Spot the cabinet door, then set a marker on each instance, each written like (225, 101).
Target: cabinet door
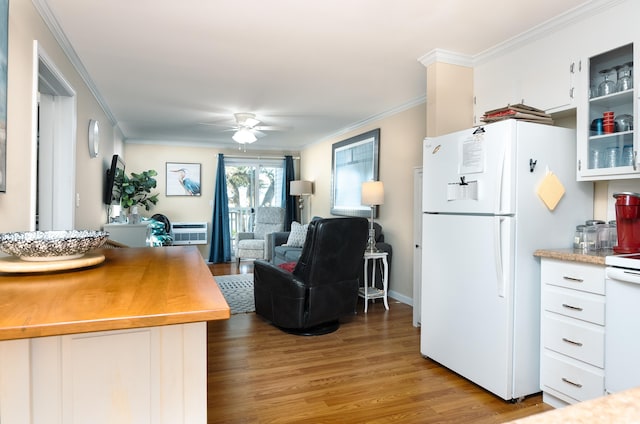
(539, 74)
(607, 153)
(146, 375)
(574, 338)
(573, 275)
(549, 85)
(496, 84)
(571, 380)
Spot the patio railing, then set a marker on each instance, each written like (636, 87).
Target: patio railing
(240, 221)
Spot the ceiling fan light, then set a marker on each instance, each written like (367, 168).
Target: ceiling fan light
(244, 136)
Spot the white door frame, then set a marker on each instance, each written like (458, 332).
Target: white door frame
(417, 243)
(55, 144)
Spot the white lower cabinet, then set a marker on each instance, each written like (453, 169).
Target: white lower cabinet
(572, 331)
(145, 375)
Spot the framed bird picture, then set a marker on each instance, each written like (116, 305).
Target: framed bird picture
(183, 179)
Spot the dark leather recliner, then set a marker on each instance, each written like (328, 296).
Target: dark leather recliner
(324, 284)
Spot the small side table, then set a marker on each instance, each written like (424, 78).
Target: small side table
(372, 292)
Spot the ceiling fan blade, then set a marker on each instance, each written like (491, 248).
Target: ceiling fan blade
(250, 123)
(246, 120)
(271, 128)
(218, 124)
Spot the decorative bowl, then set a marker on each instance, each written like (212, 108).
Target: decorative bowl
(51, 245)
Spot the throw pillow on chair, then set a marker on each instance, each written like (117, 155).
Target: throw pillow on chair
(297, 235)
(288, 266)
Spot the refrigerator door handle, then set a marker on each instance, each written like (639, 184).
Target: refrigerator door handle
(500, 182)
(497, 243)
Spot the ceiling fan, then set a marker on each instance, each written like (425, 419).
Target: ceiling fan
(247, 128)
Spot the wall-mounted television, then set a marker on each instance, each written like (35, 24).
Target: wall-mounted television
(113, 186)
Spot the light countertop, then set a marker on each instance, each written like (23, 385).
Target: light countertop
(574, 255)
(133, 287)
(619, 408)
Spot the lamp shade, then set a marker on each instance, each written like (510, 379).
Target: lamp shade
(372, 193)
(299, 187)
(244, 136)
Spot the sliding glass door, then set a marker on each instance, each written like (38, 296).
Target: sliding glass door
(251, 183)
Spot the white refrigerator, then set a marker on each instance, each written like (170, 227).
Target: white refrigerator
(483, 219)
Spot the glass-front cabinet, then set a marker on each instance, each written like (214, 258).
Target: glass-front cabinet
(607, 145)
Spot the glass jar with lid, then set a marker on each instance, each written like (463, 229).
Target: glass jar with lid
(578, 239)
(590, 238)
(613, 233)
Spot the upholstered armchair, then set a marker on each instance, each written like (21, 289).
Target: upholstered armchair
(324, 283)
(253, 245)
(281, 253)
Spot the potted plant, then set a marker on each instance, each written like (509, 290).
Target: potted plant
(136, 191)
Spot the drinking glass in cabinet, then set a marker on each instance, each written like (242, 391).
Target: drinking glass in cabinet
(612, 157)
(595, 159)
(625, 78)
(624, 122)
(627, 155)
(607, 86)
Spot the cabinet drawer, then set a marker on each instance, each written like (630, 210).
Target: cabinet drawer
(574, 338)
(572, 379)
(576, 304)
(573, 275)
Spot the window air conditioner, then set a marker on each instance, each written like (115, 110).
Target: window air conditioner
(189, 232)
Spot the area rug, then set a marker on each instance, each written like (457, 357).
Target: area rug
(238, 292)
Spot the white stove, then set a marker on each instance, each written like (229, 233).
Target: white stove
(622, 321)
(626, 260)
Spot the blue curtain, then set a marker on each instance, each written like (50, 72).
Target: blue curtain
(288, 201)
(220, 233)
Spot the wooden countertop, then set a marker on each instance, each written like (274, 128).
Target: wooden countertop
(619, 408)
(134, 287)
(574, 255)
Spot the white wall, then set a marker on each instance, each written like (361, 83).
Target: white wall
(401, 138)
(25, 26)
(400, 150)
(142, 157)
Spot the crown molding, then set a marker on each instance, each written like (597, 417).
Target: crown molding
(578, 13)
(359, 124)
(56, 30)
(558, 22)
(446, 56)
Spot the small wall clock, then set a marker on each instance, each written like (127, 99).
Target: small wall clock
(94, 138)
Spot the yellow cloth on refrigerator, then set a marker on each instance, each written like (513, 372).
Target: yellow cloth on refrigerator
(550, 190)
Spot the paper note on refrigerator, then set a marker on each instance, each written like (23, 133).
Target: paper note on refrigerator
(472, 151)
(550, 190)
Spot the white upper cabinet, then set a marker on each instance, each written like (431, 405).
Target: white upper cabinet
(607, 143)
(492, 87)
(559, 67)
(548, 85)
(539, 74)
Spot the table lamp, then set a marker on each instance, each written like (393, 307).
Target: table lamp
(300, 188)
(373, 195)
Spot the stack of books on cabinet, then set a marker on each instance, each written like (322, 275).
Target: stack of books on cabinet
(519, 111)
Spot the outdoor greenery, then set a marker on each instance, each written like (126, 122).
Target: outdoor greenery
(136, 190)
(241, 177)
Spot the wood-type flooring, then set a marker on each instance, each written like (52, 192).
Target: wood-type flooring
(369, 371)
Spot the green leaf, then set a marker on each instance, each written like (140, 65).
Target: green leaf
(136, 190)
